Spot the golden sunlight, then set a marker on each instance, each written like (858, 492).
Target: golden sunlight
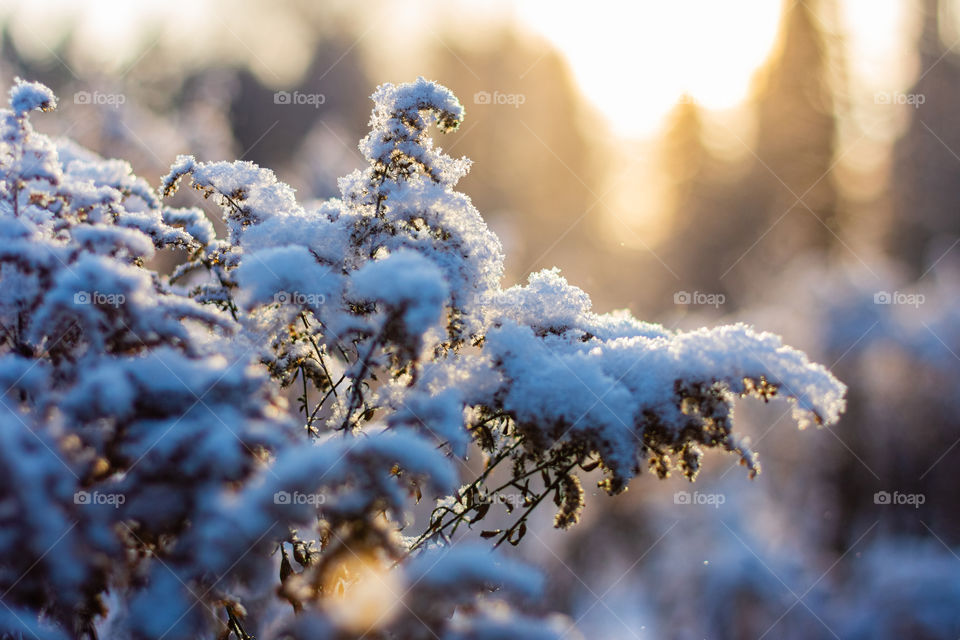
(649, 54)
(363, 594)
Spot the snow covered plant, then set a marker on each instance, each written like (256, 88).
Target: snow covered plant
(155, 483)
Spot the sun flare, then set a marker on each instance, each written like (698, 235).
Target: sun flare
(649, 54)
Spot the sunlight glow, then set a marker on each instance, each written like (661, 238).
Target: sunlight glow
(636, 62)
(876, 41)
(363, 594)
(633, 59)
(643, 56)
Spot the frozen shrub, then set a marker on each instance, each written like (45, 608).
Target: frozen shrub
(157, 484)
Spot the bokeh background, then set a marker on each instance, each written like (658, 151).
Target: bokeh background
(795, 165)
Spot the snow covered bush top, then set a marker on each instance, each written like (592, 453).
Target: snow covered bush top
(146, 431)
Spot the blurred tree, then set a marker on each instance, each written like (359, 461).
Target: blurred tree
(540, 197)
(731, 231)
(926, 168)
(336, 73)
(702, 204)
(796, 137)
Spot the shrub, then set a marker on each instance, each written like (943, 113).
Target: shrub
(155, 482)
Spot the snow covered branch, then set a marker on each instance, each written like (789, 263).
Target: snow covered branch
(156, 482)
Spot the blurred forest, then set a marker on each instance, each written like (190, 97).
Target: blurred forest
(801, 220)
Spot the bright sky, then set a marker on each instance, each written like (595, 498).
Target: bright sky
(640, 57)
(635, 59)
